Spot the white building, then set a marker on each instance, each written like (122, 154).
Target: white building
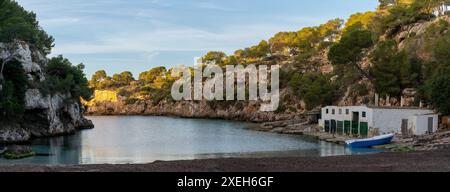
(366, 121)
(442, 9)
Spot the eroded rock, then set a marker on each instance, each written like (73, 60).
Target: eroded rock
(45, 115)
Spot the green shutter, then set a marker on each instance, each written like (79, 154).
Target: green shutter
(364, 129)
(340, 127)
(355, 128)
(327, 126)
(347, 129)
(333, 126)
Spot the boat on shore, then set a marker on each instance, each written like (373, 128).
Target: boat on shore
(370, 142)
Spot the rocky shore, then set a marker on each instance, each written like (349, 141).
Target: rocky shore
(428, 142)
(110, 102)
(419, 161)
(45, 115)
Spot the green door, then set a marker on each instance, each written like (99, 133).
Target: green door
(327, 126)
(333, 126)
(347, 127)
(364, 129)
(355, 128)
(340, 127)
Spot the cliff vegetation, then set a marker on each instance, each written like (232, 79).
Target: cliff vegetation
(400, 51)
(38, 96)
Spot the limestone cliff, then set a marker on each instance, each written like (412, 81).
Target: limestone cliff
(49, 115)
(109, 102)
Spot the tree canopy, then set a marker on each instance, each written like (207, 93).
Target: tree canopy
(123, 78)
(437, 91)
(257, 51)
(349, 50)
(394, 70)
(18, 24)
(62, 76)
(215, 57)
(152, 75)
(314, 88)
(364, 19)
(307, 38)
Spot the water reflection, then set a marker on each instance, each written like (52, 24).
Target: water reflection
(57, 150)
(329, 149)
(118, 140)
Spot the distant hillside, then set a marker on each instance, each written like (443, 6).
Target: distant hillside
(401, 50)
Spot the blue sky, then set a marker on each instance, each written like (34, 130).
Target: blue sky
(136, 35)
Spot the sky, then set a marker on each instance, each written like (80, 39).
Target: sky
(137, 35)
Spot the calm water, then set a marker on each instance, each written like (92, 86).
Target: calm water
(117, 140)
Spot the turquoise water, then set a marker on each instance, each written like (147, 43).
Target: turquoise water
(138, 139)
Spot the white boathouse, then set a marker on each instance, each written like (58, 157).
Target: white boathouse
(367, 121)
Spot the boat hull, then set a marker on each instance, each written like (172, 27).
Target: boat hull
(367, 143)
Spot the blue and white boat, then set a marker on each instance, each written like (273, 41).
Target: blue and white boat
(370, 142)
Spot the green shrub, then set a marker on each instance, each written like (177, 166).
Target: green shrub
(12, 97)
(349, 50)
(405, 14)
(131, 100)
(280, 109)
(437, 90)
(15, 156)
(62, 76)
(123, 79)
(394, 71)
(361, 90)
(216, 57)
(314, 88)
(306, 39)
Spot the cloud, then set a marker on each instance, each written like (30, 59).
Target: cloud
(113, 26)
(212, 6)
(150, 56)
(173, 39)
(58, 22)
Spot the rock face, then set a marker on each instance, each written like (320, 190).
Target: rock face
(50, 115)
(109, 103)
